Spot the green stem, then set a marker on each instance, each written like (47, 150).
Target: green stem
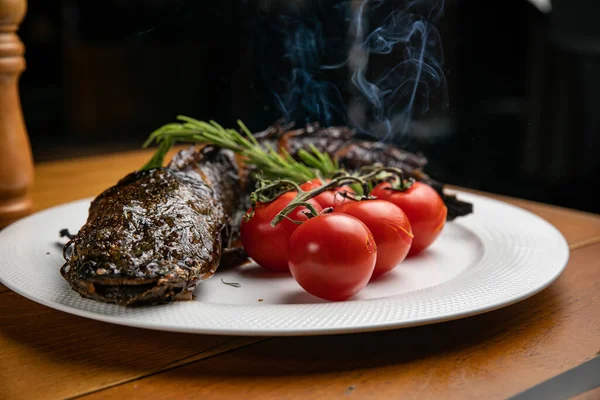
(157, 159)
(302, 197)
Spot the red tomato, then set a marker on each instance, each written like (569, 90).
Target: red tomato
(332, 256)
(329, 198)
(390, 228)
(424, 208)
(268, 245)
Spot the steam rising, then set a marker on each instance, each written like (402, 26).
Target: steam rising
(308, 92)
(383, 97)
(403, 90)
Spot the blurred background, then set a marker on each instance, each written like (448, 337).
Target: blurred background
(521, 115)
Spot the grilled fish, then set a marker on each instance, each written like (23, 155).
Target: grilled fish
(156, 234)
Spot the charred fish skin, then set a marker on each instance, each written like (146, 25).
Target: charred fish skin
(218, 168)
(153, 236)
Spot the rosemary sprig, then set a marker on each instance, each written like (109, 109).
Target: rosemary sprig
(158, 158)
(271, 163)
(319, 160)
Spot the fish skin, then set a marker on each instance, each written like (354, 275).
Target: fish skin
(156, 234)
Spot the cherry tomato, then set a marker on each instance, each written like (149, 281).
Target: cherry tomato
(267, 245)
(332, 256)
(390, 228)
(329, 198)
(424, 208)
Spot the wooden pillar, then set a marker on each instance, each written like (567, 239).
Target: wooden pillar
(16, 161)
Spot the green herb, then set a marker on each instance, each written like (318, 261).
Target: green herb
(268, 161)
(158, 158)
(318, 160)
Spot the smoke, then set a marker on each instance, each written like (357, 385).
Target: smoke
(390, 55)
(398, 94)
(308, 93)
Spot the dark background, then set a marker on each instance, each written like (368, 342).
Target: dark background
(523, 115)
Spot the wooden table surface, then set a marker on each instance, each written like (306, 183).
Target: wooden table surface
(47, 354)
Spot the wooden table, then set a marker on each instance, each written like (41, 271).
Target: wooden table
(50, 354)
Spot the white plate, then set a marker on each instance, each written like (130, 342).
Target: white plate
(494, 257)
